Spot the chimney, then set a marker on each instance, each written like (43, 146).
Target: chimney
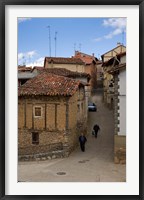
(76, 52)
(118, 44)
(93, 54)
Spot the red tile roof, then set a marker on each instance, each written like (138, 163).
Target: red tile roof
(50, 85)
(64, 72)
(61, 60)
(38, 68)
(24, 68)
(87, 59)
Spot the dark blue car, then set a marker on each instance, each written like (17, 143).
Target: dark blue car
(92, 107)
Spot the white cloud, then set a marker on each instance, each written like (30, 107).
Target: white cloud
(30, 54)
(111, 34)
(23, 19)
(108, 36)
(38, 62)
(26, 57)
(117, 24)
(20, 56)
(98, 39)
(117, 31)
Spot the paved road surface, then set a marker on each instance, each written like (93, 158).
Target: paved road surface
(93, 165)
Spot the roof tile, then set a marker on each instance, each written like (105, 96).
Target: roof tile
(61, 60)
(49, 84)
(64, 72)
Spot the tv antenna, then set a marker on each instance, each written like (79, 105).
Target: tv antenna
(74, 47)
(49, 40)
(80, 46)
(24, 61)
(123, 37)
(55, 42)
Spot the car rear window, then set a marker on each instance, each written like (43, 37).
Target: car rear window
(91, 104)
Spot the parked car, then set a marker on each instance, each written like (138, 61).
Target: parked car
(92, 107)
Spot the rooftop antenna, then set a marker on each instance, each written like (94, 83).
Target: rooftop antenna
(74, 47)
(24, 61)
(55, 42)
(29, 59)
(80, 47)
(123, 37)
(49, 41)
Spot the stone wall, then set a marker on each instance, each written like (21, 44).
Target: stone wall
(56, 128)
(116, 104)
(72, 67)
(120, 149)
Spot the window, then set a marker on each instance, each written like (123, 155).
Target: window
(37, 111)
(78, 107)
(35, 138)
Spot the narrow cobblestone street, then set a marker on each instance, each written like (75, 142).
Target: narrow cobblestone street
(94, 165)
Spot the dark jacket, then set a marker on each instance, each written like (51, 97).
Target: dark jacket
(82, 139)
(96, 128)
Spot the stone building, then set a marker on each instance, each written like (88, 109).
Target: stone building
(83, 77)
(49, 109)
(109, 60)
(118, 71)
(24, 74)
(99, 74)
(113, 52)
(108, 81)
(93, 66)
(73, 64)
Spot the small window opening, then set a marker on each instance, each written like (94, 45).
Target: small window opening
(35, 138)
(38, 112)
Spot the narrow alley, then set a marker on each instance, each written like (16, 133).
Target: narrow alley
(94, 165)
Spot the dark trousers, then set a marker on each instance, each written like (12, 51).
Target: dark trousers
(96, 133)
(82, 145)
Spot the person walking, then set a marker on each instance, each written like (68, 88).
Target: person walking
(96, 128)
(82, 141)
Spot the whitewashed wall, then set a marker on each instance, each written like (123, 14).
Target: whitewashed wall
(122, 82)
(123, 59)
(122, 103)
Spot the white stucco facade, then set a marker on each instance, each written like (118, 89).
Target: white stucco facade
(122, 103)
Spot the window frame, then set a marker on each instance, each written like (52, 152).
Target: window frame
(34, 112)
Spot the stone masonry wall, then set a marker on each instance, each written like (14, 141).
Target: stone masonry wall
(119, 141)
(57, 127)
(72, 67)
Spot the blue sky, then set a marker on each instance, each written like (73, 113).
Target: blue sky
(88, 35)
